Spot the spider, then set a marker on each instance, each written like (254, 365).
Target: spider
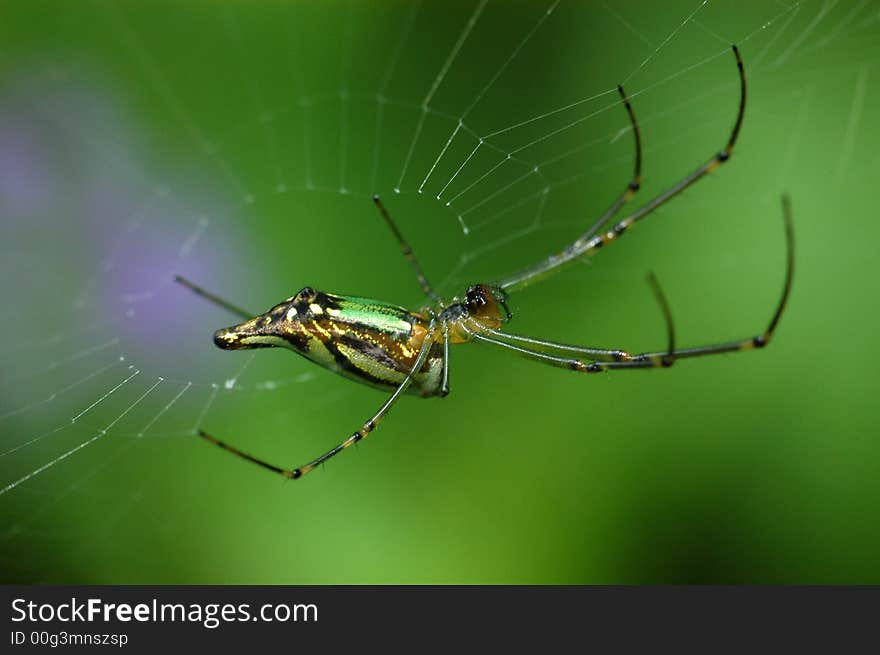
(398, 350)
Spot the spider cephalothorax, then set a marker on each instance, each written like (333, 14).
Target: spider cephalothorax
(483, 307)
(487, 304)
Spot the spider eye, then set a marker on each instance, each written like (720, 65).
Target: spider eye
(307, 294)
(475, 297)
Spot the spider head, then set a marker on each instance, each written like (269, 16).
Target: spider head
(487, 304)
(281, 326)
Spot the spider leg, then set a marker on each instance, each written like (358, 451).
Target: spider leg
(547, 352)
(546, 347)
(444, 384)
(749, 343)
(590, 243)
(207, 295)
(563, 351)
(572, 363)
(633, 185)
(407, 252)
(554, 354)
(364, 430)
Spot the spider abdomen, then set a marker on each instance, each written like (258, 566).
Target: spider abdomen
(365, 340)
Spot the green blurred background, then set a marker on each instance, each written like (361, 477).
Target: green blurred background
(238, 143)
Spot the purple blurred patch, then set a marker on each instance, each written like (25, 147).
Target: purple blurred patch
(93, 229)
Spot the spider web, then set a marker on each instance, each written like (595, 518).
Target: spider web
(492, 128)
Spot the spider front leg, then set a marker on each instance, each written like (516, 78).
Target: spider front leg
(634, 184)
(590, 243)
(365, 429)
(600, 360)
(749, 343)
(559, 355)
